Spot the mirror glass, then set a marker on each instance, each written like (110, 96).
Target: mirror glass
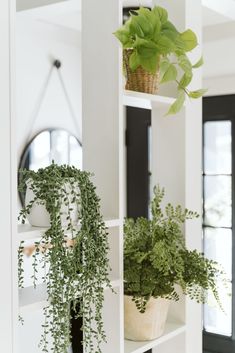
(50, 145)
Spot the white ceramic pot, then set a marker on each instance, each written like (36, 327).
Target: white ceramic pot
(39, 217)
(148, 325)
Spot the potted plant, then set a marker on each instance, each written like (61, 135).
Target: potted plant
(156, 261)
(155, 51)
(75, 257)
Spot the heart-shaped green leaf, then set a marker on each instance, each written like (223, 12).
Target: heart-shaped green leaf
(134, 61)
(185, 80)
(178, 104)
(161, 13)
(190, 40)
(150, 64)
(199, 63)
(185, 64)
(165, 45)
(197, 94)
(145, 48)
(170, 74)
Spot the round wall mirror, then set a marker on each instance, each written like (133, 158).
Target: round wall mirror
(50, 145)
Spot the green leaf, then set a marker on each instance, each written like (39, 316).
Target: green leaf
(145, 48)
(161, 13)
(150, 64)
(199, 63)
(170, 74)
(143, 21)
(148, 15)
(135, 28)
(178, 104)
(134, 61)
(169, 31)
(164, 64)
(185, 64)
(165, 45)
(190, 40)
(168, 26)
(123, 35)
(157, 27)
(197, 94)
(186, 79)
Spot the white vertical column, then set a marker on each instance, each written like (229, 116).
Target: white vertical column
(177, 150)
(8, 258)
(100, 99)
(103, 135)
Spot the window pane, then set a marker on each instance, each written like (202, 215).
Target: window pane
(217, 150)
(218, 201)
(218, 247)
(215, 320)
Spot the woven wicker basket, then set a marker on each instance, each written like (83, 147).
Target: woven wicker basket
(139, 80)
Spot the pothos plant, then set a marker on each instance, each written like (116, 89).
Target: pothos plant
(157, 44)
(76, 273)
(156, 258)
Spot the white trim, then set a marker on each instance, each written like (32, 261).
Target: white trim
(219, 85)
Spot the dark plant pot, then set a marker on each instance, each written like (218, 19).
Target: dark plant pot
(139, 80)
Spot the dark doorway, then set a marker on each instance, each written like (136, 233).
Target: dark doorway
(138, 123)
(137, 143)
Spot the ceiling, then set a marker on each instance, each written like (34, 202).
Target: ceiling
(30, 4)
(63, 11)
(211, 17)
(65, 14)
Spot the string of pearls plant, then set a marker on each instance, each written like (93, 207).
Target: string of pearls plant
(75, 274)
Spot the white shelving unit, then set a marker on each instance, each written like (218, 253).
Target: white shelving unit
(31, 299)
(145, 100)
(176, 165)
(27, 232)
(172, 330)
(176, 161)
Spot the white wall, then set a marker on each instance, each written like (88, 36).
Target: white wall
(219, 58)
(37, 45)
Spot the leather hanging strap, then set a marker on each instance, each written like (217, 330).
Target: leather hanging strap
(56, 65)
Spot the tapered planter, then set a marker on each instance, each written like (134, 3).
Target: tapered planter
(148, 325)
(39, 217)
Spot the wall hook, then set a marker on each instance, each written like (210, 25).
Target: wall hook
(57, 63)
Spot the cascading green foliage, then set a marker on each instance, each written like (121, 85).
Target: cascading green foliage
(156, 258)
(156, 42)
(75, 274)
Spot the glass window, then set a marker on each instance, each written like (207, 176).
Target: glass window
(217, 222)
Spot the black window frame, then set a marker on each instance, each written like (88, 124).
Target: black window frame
(138, 121)
(221, 108)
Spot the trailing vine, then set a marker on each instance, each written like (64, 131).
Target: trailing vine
(76, 271)
(156, 258)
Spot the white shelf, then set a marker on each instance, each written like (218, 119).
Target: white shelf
(31, 298)
(27, 232)
(145, 100)
(171, 330)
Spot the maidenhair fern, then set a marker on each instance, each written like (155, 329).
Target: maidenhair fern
(156, 258)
